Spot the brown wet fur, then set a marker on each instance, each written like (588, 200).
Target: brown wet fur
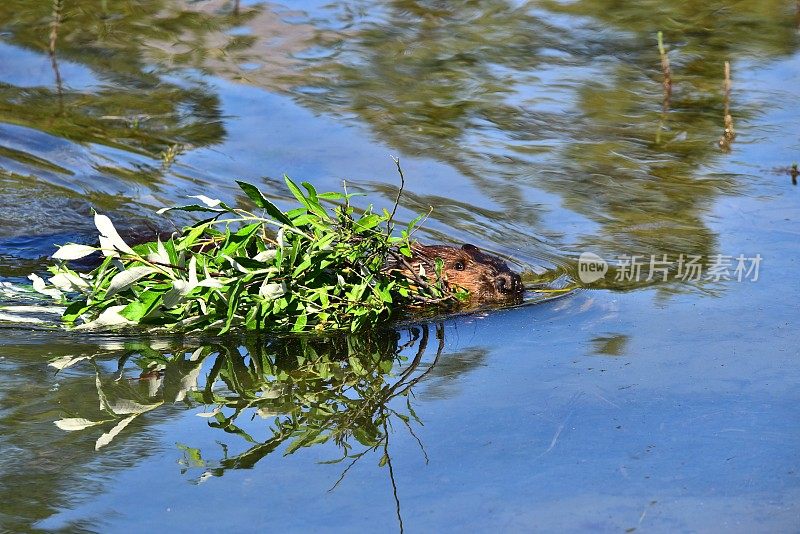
(486, 277)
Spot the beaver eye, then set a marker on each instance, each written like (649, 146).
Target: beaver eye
(458, 266)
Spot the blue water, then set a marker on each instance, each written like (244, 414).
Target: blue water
(536, 133)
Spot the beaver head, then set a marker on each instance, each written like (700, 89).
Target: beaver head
(486, 277)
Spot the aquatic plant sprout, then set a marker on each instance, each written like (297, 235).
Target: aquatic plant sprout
(312, 268)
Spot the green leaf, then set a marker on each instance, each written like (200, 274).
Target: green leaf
(75, 310)
(301, 198)
(368, 222)
(305, 264)
(385, 294)
(300, 323)
(136, 310)
(272, 210)
(172, 252)
(312, 192)
(414, 222)
(311, 204)
(251, 320)
(313, 201)
(190, 238)
(238, 242)
(233, 305)
(331, 196)
(439, 267)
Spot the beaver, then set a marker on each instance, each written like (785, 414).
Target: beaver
(486, 277)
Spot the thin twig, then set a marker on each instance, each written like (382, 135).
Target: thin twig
(418, 278)
(421, 222)
(389, 226)
(410, 268)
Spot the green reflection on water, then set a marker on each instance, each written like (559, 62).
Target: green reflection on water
(131, 105)
(273, 394)
(459, 83)
(551, 114)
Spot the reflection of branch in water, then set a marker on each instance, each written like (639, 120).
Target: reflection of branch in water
(356, 458)
(728, 133)
(439, 349)
(54, 25)
(419, 441)
(667, 84)
(666, 71)
(388, 460)
(353, 417)
(423, 344)
(371, 407)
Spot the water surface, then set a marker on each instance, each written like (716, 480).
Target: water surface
(539, 130)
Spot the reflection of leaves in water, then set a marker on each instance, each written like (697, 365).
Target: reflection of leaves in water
(317, 390)
(443, 81)
(130, 105)
(313, 390)
(105, 90)
(515, 97)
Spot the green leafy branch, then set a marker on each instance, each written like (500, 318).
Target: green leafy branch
(310, 268)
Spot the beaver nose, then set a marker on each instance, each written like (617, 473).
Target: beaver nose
(505, 283)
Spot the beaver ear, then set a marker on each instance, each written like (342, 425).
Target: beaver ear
(470, 248)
